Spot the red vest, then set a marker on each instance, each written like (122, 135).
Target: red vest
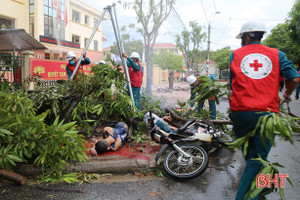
(255, 79)
(136, 77)
(72, 68)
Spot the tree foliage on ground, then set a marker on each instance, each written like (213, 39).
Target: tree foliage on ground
(95, 93)
(33, 129)
(25, 137)
(130, 44)
(285, 36)
(189, 43)
(150, 14)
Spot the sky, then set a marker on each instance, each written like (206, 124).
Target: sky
(224, 26)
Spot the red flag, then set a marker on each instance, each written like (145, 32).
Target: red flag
(58, 14)
(54, 4)
(66, 17)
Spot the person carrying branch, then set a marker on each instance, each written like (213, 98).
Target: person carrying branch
(136, 72)
(254, 81)
(193, 82)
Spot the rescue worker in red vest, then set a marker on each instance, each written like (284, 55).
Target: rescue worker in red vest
(136, 72)
(193, 82)
(254, 82)
(71, 58)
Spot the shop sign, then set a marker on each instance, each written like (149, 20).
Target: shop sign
(52, 69)
(51, 40)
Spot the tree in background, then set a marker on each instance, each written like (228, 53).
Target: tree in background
(151, 14)
(221, 57)
(169, 61)
(280, 39)
(285, 37)
(130, 44)
(189, 44)
(294, 32)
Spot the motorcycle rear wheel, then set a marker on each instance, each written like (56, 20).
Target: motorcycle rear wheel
(181, 168)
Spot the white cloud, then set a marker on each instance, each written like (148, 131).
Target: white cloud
(224, 26)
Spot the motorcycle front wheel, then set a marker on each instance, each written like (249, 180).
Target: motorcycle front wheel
(180, 167)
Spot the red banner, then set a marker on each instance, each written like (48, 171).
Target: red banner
(52, 69)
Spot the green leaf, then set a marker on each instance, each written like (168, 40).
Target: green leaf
(14, 158)
(5, 131)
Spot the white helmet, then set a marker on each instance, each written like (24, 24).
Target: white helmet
(102, 62)
(252, 26)
(70, 55)
(135, 55)
(191, 79)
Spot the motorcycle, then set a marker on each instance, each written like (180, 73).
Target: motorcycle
(185, 153)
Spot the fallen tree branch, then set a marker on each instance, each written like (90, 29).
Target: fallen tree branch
(176, 117)
(13, 176)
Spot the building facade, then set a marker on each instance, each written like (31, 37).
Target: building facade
(60, 25)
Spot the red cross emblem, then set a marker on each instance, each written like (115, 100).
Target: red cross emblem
(256, 65)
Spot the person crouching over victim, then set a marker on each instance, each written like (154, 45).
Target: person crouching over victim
(113, 139)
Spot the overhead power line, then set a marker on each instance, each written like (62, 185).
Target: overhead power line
(204, 12)
(176, 15)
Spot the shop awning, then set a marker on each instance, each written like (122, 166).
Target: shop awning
(18, 39)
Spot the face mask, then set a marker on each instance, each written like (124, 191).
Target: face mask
(72, 62)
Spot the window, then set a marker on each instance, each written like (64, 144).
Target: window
(95, 22)
(76, 39)
(76, 16)
(31, 18)
(86, 20)
(54, 19)
(31, 25)
(86, 41)
(96, 45)
(6, 23)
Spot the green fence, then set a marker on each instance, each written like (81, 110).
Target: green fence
(11, 67)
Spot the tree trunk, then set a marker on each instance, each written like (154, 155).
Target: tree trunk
(171, 80)
(149, 69)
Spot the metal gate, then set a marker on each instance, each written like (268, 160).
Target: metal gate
(11, 69)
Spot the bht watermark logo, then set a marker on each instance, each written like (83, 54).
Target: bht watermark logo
(263, 180)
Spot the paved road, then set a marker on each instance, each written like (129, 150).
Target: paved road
(218, 182)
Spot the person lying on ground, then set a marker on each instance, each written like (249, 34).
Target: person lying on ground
(160, 122)
(113, 139)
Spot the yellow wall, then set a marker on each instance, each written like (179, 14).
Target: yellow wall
(17, 10)
(81, 29)
(160, 76)
(38, 19)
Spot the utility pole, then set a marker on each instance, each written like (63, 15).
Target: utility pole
(208, 41)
